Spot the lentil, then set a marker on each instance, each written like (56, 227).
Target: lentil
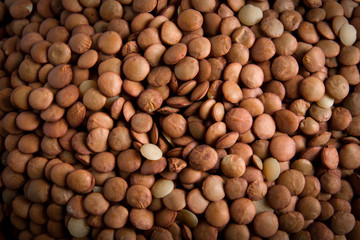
(179, 119)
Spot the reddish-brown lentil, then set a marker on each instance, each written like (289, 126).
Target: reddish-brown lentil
(216, 87)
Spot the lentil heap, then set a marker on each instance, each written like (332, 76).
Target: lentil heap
(180, 119)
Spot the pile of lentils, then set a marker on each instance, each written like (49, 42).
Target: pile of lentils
(180, 119)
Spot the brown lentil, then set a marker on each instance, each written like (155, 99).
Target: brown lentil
(171, 117)
(266, 224)
(242, 211)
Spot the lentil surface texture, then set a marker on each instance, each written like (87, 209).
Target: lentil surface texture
(179, 119)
